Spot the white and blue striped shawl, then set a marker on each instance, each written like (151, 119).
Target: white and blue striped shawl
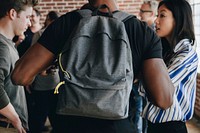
(183, 72)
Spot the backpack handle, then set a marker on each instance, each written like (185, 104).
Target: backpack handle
(103, 6)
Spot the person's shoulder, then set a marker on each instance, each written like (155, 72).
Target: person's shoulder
(135, 23)
(4, 49)
(70, 14)
(3, 42)
(69, 17)
(141, 28)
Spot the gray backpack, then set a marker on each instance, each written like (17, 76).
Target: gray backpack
(97, 68)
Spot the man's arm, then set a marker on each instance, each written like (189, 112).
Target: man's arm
(10, 113)
(156, 77)
(35, 60)
(159, 86)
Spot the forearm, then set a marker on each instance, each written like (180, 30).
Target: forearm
(36, 59)
(12, 117)
(4, 99)
(159, 87)
(10, 113)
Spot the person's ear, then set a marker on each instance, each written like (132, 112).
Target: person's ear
(12, 14)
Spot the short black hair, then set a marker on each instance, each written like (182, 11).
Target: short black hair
(52, 15)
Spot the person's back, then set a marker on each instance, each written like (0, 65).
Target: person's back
(149, 54)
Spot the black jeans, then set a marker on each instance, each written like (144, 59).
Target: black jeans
(44, 104)
(167, 127)
(76, 124)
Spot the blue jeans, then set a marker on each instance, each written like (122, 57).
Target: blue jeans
(136, 106)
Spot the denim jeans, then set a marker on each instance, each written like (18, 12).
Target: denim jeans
(136, 106)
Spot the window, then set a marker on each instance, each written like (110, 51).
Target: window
(195, 4)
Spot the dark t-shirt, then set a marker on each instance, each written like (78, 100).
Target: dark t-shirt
(23, 46)
(143, 40)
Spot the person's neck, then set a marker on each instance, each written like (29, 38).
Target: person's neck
(6, 30)
(110, 3)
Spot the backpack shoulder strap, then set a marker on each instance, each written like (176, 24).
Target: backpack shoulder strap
(85, 13)
(122, 16)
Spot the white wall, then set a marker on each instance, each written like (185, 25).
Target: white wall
(196, 16)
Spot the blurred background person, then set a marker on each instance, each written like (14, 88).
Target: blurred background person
(22, 48)
(148, 12)
(43, 87)
(174, 25)
(35, 27)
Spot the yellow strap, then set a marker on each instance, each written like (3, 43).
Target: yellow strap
(60, 64)
(58, 86)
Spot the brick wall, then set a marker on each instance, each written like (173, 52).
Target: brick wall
(63, 6)
(131, 6)
(197, 103)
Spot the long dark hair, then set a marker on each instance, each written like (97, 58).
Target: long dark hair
(184, 27)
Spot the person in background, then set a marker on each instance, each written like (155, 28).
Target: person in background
(174, 25)
(23, 41)
(147, 59)
(51, 16)
(148, 12)
(43, 87)
(35, 27)
(14, 20)
(18, 39)
(22, 48)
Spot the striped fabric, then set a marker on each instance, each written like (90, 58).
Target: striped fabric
(183, 72)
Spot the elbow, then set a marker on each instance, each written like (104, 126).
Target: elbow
(164, 102)
(166, 99)
(19, 80)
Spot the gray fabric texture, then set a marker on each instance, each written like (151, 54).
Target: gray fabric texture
(98, 59)
(47, 82)
(9, 91)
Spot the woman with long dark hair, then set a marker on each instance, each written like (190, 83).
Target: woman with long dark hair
(174, 25)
